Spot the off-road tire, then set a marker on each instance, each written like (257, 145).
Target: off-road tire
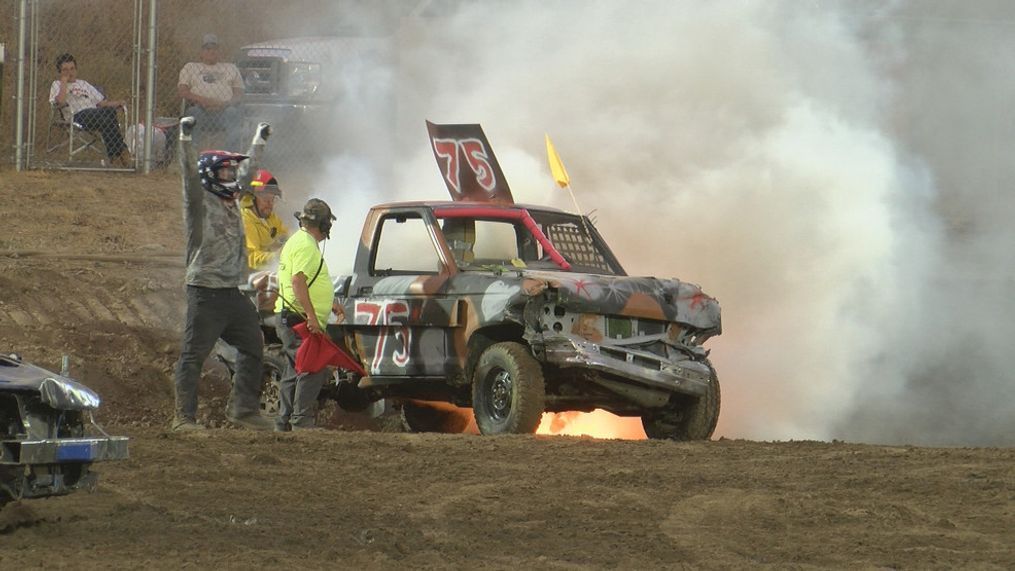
(422, 418)
(275, 362)
(686, 418)
(508, 394)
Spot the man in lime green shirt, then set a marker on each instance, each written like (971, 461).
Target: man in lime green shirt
(305, 293)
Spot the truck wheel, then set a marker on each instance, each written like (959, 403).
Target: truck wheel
(275, 363)
(507, 390)
(423, 418)
(686, 418)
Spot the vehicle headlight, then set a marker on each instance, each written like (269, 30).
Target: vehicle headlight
(304, 78)
(65, 394)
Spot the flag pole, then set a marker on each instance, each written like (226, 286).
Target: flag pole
(574, 200)
(562, 179)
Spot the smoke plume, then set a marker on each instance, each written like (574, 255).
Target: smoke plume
(832, 172)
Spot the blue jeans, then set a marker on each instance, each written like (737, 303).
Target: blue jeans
(229, 120)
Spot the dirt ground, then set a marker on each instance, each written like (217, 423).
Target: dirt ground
(90, 267)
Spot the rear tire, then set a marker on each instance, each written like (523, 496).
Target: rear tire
(508, 394)
(686, 418)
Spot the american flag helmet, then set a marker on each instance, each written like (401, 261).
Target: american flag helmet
(218, 171)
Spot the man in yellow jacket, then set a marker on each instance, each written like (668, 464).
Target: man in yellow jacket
(265, 231)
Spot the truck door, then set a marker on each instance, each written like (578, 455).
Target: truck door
(400, 310)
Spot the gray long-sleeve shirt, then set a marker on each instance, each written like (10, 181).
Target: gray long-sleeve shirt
(216, 248)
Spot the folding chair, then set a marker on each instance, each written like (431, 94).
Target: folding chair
(65, 132)
(79, 139)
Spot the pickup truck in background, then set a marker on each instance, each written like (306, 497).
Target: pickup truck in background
(316, 92)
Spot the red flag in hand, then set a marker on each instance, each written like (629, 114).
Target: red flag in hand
(318, 351)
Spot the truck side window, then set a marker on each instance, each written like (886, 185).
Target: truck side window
(404, 247)
(495, 242)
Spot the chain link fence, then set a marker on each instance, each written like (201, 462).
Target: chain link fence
(323, 73)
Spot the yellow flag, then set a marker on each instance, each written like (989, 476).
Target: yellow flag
(556, 167)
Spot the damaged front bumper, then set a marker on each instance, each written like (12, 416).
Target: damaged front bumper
(40, 468)
(62, 450)
(685, 376)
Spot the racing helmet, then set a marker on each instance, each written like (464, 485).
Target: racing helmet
(264, 183)
(218, 172)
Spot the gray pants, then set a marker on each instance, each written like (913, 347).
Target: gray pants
(213, 313)
(297, 399)
(228, 120)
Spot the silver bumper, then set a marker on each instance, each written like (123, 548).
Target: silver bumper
(63, 450)
(687, 376)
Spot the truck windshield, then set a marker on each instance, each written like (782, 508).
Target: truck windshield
(485, 239)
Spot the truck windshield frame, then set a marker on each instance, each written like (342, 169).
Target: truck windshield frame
(580, 248)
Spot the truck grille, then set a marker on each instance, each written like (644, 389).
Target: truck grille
(617, 327)
(260, 76)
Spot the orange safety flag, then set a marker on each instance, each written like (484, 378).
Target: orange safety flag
(556, 166)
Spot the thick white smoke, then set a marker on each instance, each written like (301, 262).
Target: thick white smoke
(768, 151)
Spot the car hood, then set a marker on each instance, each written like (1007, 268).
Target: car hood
(647, 297)
(55, 390)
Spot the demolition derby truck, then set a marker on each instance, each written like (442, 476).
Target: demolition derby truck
(47, 434)
(515, 310)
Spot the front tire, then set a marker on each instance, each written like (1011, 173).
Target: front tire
(686, 418)
(275, 362)
(508, 394)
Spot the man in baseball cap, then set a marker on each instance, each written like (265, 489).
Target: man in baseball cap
(305, 295)
(211, 88)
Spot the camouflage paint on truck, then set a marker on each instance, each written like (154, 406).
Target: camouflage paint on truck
(605, 340)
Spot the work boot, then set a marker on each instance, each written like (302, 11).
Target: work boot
(252, 421)
(183, 424)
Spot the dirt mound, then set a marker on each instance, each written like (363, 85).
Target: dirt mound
(91, 268)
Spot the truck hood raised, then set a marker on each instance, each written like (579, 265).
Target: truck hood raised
(55, 390)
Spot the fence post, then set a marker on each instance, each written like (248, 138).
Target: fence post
(149, 132)
(2, 46)
(19, 118)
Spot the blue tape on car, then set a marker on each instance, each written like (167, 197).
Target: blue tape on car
(78, 451)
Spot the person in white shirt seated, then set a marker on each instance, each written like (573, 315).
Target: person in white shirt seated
(211, 88)
(88, 107)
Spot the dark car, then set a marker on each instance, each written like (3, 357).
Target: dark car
(48, 439)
